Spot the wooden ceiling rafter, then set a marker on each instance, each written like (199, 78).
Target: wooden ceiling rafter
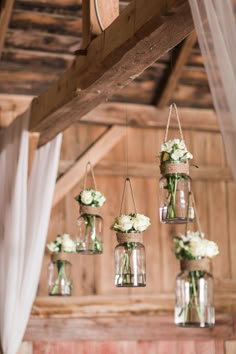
(5, 15)
(174, 73)
(94, 153)
(136, 39)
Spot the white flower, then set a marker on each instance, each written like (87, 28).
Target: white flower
(177, 155)
(203, 248)
(52, 246)
(86, 197)
(141, 222)
(68, 245)
(58, 240)
(62, 243)
(176, 150)
(211, 248)
(131, 223)
(124, 223)
(99, 197)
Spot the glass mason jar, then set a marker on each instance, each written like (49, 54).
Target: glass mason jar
(59, 275)
(130, 263)
(175, 187)
(194, 295)
(89, 232)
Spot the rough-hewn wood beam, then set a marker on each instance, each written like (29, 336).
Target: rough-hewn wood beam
(5, 14)
(143, 32)
(174, 73)
(93, 154)
(146, 116)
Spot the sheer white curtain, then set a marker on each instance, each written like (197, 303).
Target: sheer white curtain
(24, 216)
(216, 29)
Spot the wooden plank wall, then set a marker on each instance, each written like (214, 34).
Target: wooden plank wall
(94, 275)
(215, 199)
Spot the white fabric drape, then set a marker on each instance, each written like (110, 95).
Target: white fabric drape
(215, 25)
(24, 216)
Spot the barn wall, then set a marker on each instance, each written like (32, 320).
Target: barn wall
(94, 275)
(215, 200)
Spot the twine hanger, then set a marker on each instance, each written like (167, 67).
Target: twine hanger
(89, 165)
(127, 180)
(173, 105)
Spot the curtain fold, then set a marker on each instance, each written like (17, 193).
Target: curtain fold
(25, 207)
(216, 30)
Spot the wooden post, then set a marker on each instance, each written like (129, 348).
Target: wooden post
(33, 144)
(97, 16)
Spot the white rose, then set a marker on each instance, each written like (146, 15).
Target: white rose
(86, 197)
(166, 146)
(211, 248)
(58, 240)
(189, 156)
(125, 223)
(203, 248)
(99, 197)
(141, 222)
(177, 154)
(196, 248)
(68, 245)
(52, 247)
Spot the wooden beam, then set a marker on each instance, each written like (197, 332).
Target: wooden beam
(174, 73)
(146, 116)
(104, 318)
(33, 144)
(11, 106)
(98, 149)
(5, 14)
(143, 32)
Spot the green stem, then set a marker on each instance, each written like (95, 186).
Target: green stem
(90, 232)
(125, 270)
(194, 287)
(61, 275)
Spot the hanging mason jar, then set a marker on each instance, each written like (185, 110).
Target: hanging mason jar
(130, 264)
(175, 193)
(194, 294)
(89, 239)
(59, 275)
(89, 231)
(175, 183)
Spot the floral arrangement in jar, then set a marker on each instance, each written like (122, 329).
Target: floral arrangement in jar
(59, 282)
(175, 182)
(90, 222)
(130, 253)
(194, 285)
